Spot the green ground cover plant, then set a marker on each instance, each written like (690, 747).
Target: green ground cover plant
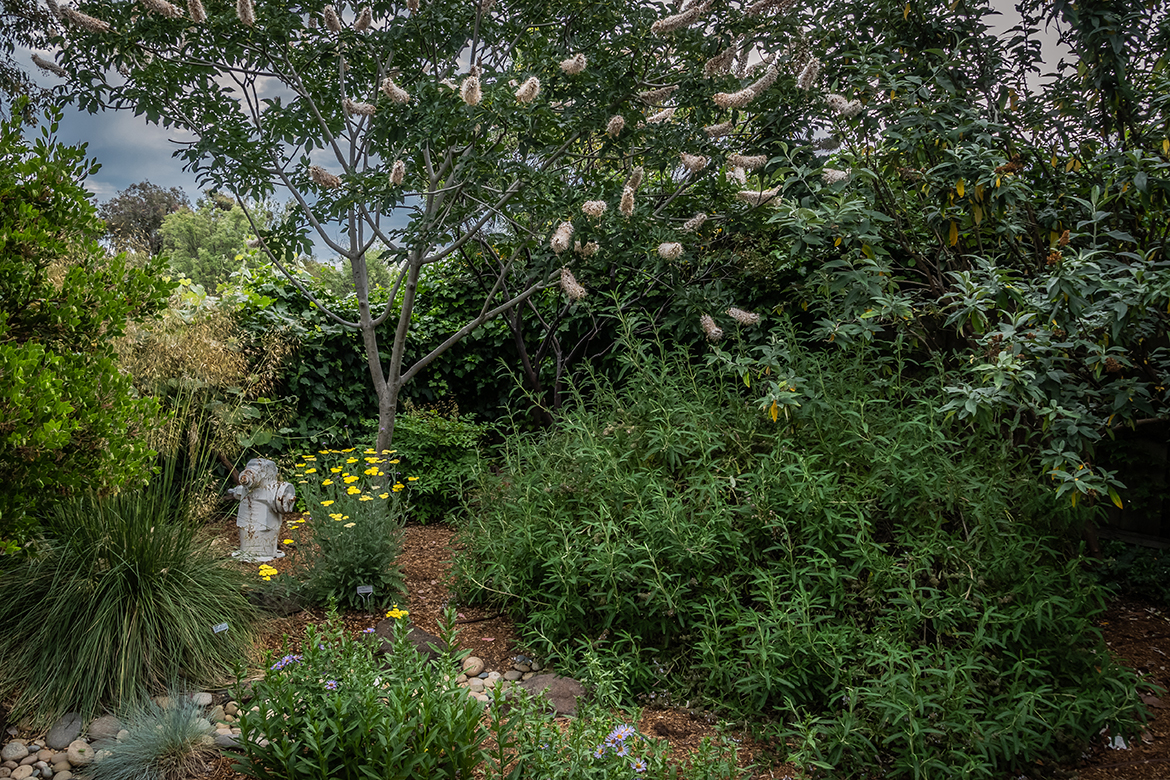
(127, 592)
(352, 503)
(887, 589)
(333, 711)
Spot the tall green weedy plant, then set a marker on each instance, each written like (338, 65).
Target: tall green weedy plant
(884, 587)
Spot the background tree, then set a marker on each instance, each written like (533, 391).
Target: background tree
(205, 244)
(68, 417)
(135, 215)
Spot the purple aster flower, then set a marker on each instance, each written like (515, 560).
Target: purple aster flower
(331, 685)
(599, 751)
(638, 765)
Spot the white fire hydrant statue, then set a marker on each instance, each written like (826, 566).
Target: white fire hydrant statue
(263, 499)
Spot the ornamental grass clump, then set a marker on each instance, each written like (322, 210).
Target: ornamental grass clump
(162, 743)
(353, 515)
(139, 587)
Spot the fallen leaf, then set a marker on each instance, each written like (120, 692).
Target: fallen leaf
(1153, 701)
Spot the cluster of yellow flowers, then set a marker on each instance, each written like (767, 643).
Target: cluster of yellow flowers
(373, 463)
(267, 572)
(397, 613)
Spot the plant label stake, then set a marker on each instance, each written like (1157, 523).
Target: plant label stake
(219, 628)
(364, 592)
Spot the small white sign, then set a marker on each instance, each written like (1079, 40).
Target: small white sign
(219, 628)
(365, 590)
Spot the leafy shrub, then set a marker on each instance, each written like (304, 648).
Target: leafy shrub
(164, 743)
(441, 449)
(331, 711)
(126, 593)
(354, 514)
(69, 419)
(885, 586)
(1137, 571)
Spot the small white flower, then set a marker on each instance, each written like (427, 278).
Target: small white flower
(394, 92)
(562, 238)
(324, 178)
(695, 222)
(655, 96)
(163, 8)
(331, 20)
(196, 11)
(737, 175)
(245, 12)
(661, 116)
(734, 99)
(745, 318)
(588, 250)
(808, 76)
(354, 107)
(719, 130)
(616, 123)
(528, 90)
(397, 172)
(722, 62)
(470, 91)
(364, 20)
(569, 284)
(49, 66)
(594, 208)
(573, 65)
(713, 331)
(843, 107)
(693, 162)
(757, 197)
(748, 162)
(670, 250)
(686, 18)
(832, 175)
(635, 180)
(626, 207)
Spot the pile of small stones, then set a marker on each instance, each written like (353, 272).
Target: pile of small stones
(68, 746)
(478, 681)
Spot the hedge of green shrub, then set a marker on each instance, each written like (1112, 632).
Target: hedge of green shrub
(886, 590)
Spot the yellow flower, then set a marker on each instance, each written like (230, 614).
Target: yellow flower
(389, 452)
(327, 503)
(286, 541)
(323, 452)
(412, 479)
(365, 498)
(384, 495)
(351, 460)
(302, 481)
(326, 482)
(351, 449)
(371, 452)
(336, 469)
(349, 525)
(374, 460)
(310, 457)
(381, 473)
(397, 486)
(300, 465)
(336, 516)
(351, 479)
(372, 471)
(267, 579)
(394, 461)
(397, 613)
(310, 471)
(353, 491)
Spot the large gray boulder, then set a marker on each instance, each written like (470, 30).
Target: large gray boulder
(561, 693)
(67, 729)
(428, 645)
